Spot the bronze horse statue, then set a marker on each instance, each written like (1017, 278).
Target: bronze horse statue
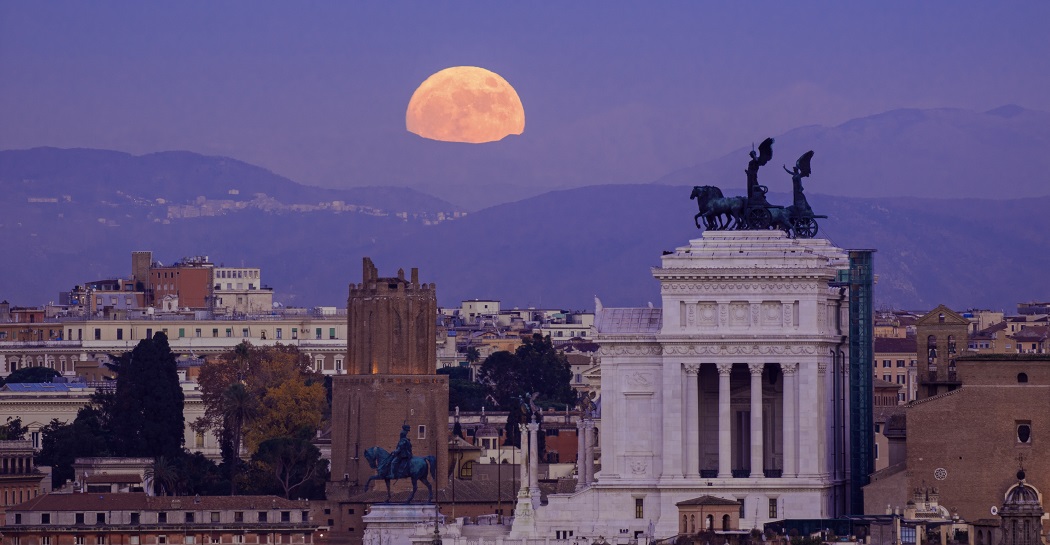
(418, 467)
(714, 206)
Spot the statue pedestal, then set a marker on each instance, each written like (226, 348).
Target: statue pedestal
(524, 517)
(401, 524)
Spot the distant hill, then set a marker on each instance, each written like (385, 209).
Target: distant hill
(90, 176)
(557, 249)
(999, 154)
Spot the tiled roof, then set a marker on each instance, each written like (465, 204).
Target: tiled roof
(708, 500)
(889, 345)
(140, 501)
(129, 478)
(44, 387)
(629, 320)
(885, 384)
(466, 491)
(1033, 333)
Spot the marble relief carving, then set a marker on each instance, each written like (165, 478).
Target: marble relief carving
(639, 379)
(630, 350)
(738, 314)
(766, 287)
(735, 349)
(708, 314)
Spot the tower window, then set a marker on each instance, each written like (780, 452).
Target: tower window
(1022, 378)
(1024, 433)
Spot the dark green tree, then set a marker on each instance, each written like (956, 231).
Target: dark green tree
(61, 444)
(463, 392)
(13, 430)
(239, 406)
(291, 465)
(145, 410)
(30, 374)
(472, 355)
(535, 367)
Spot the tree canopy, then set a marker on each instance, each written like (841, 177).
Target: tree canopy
(534, 368)
(145, 411)
(30, 374)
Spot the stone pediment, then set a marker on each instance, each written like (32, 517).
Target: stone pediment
(950, 317)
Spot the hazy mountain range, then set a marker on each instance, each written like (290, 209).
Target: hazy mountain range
(70, 216)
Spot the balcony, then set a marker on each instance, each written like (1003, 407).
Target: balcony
(741, 473)
(709, 473)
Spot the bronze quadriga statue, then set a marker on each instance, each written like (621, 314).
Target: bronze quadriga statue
(754, 211)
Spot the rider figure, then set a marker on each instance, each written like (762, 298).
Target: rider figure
(401, 456)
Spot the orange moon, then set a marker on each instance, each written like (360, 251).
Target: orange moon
(465, 104)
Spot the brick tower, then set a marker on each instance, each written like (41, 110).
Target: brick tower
(392, 379)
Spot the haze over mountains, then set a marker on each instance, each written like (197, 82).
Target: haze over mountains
(76, 215)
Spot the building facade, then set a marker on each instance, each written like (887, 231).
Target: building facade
(735, 388)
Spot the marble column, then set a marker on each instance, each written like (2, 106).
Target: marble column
(692, 420)
(756, 420)
(524, 467)
(790, 433)
(581, 452)
(589, 452)
(725, 432)
(534, 465)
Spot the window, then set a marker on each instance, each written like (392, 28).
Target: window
(197, 332)
(162, 540)
(639, 508)
(286, 516)
(18, 518)
(878, 428)
(135, 518)
(98, 334)
(338, 365)
(262, 516)
(100, 540)
(46, 540)
(120, 334)
(295, 332)
(45, 518)
(317, 333)
(876, 451)
(900, 363)
(742, 506)
(772, 508)
(331, 333)
(133, 540)
(1024, 432)
(238, 538)
(886, 363)
(182, 332)
(149, 332)
(214, 332)
(189, 540)
(305, 516)
(215, 516)
(229, 331)
(238, 516)
(189, 516)
(162, 518)
(79, 540)
(244, 332)
(280, 333)
(1022, 378)
(215, 538)
(422, 432)
(100, 518)
(79, 518)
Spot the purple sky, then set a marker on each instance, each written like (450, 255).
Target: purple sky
(613, 92)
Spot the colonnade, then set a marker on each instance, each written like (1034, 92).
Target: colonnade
(790, 419)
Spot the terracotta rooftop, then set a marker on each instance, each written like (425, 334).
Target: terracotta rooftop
(140, 501)
(708, 500)
(890, 345)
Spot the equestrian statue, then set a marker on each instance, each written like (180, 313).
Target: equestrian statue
(400, 464)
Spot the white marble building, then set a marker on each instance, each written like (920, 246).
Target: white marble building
(735, 388)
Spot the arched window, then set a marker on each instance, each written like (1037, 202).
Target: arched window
(931, 351)
(951, 344)
(692, 524)
(725, 522)
(1022, 378)
(685, 524)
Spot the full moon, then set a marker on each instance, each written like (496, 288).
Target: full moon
(465, 104)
